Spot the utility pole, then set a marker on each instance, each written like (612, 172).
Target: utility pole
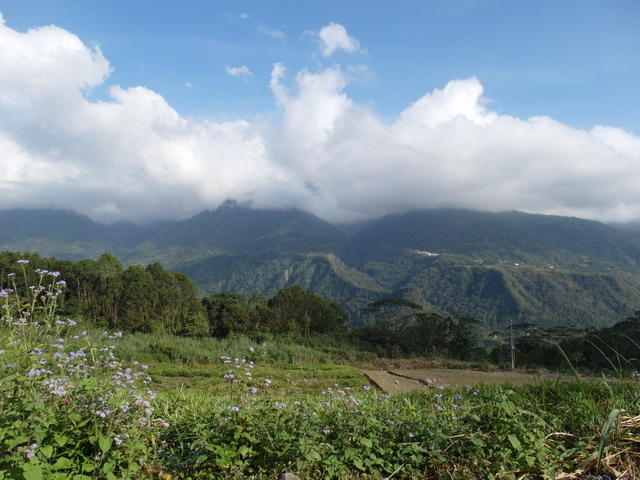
(513, 349)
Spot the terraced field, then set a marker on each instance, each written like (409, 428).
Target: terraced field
(405, 380)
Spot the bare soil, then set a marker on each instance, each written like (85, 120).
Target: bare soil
(405, 380)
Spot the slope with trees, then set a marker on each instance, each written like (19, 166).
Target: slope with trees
(496, 267)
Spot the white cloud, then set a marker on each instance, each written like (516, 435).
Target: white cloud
(242, 71)
(334, 37)
(134, 157)
(271, 32)
(447, 149)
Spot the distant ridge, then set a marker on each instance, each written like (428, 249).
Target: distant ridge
(68, 235)
(235, 230)
(502, 237)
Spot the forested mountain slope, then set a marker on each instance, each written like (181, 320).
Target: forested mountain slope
(67, 235)
(499, 267)
(57, 233)
(496, 267)
(234, 230)
(497, 238)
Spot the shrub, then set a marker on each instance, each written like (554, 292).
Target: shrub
(68, 409)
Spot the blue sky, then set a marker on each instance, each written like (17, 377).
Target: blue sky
(347, 109)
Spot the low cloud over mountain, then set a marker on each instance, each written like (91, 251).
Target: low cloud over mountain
(129, 155)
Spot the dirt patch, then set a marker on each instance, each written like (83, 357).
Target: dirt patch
(390, 383)
(405, 380)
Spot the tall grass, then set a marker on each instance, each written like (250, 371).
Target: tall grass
(158, 348)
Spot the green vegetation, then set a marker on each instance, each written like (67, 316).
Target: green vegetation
(68, 409)
(104, 294)
(76, 404)
(495, 267)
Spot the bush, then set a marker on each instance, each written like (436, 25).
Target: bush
(68, 409)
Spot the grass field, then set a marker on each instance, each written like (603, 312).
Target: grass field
(77, 406)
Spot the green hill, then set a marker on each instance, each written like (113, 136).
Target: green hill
(500, 238)
(499, 267)
(67, 235)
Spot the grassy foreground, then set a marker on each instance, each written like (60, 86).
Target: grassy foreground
(275, 406)
(82, 405)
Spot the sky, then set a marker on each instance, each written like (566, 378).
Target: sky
(152, 110)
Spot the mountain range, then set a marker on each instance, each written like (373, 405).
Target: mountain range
(495, 267)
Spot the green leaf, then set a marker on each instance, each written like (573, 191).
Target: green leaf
(47, 451)
(105, 444)
(60, 440)
(358, 463)
(366, 442)
(604, 435)
(62, 463)
(478, 442)
(515, 442)
(313, 455)
(32, 472)
(17, 441)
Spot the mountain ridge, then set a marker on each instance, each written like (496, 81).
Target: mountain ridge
(496, 267)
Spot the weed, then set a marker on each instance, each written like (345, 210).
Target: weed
(68, 409)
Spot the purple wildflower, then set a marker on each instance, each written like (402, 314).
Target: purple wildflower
(31, 451)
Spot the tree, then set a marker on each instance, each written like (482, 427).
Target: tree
(228, 314)
(390, 323)
(396, 314)
(462, 333)
(194, 321)
(139, 297)
(431, 335)
(110, 271)
(298, 309)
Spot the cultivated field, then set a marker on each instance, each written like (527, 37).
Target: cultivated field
(406, 380)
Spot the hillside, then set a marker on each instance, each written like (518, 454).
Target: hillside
(500, 238)
(56, 233)
(496, 267)
(68, 235)
(499, 267)
(233, 230)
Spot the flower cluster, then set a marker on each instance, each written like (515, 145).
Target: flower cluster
(53, 375)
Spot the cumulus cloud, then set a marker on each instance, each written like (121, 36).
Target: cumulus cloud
(334, 37)
(133, 157)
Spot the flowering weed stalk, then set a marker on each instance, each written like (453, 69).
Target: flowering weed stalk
(68, 409)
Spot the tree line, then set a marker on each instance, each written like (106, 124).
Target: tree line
(150, 299)
(399, 327)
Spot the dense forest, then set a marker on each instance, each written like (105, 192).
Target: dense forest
(150, 299)
(104, 294)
